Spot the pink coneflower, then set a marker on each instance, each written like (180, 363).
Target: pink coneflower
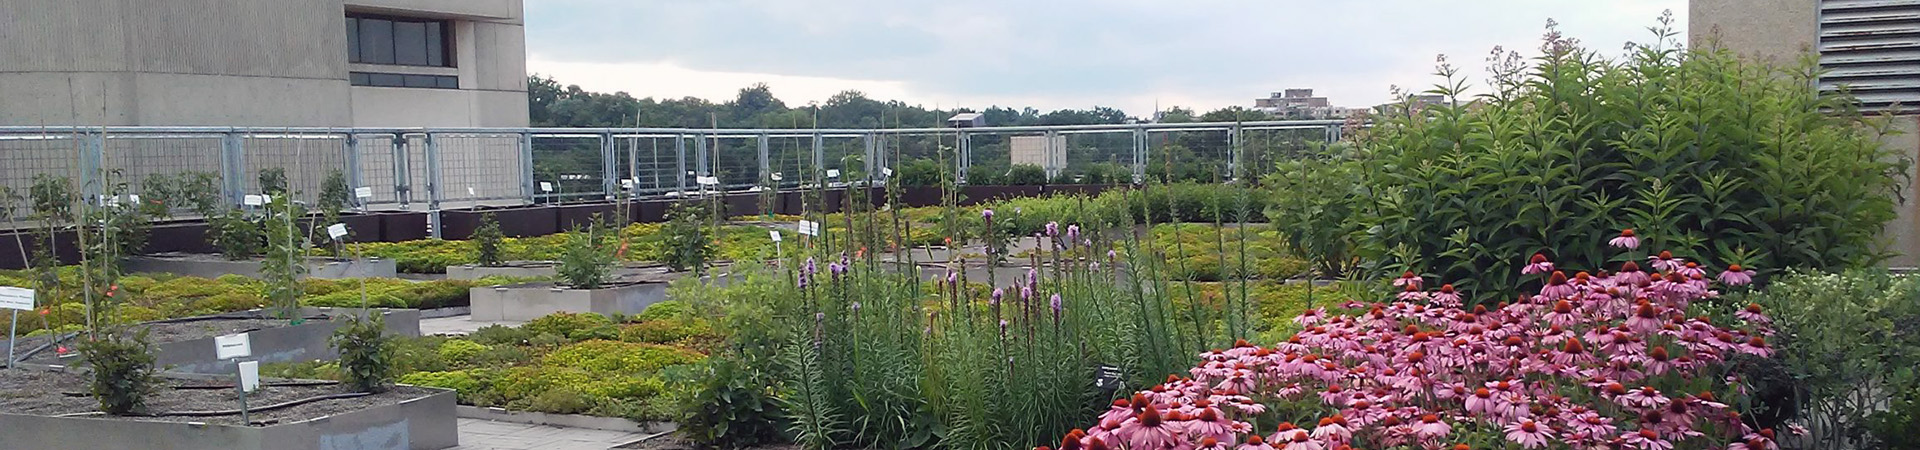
(1446, 298)
(1481, 402)
(1310, 317)
(1759, 440)
(1658, 361)
(1529, 434)
(1630, 275)
(1752, 314)
(1407, 279)
(1664, 262)
(1626, 240)
(1561, 315)
(1209, 423)
(1646, 439)
(1539, 264)
(1333, 429)
(1208, 443)
(1430, 427)
(1644, 398)
(1301, 441)
(1557, 286)
(1756, 346)
(1413, 294)
(1255, 442)
(1735, 276)
(1148, 431)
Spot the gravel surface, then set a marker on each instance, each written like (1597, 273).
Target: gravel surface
(170, 332)
(54, 393)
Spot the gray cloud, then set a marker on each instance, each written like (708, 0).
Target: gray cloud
(1089, 51)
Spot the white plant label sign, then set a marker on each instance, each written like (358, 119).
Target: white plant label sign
(363, 192)
(546, 187)
(777, 176)
(337, 231)
(775, 234)
(16, 298)
(810, 228)
(709, 181)
(253, 200)
(232, 346)
(249, 376)
(833, 173)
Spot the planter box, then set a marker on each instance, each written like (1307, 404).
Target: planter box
(538, 269)
(212, 266)
(297, 343)
(422, 423)
(521, 303)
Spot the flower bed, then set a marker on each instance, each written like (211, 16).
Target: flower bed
(1589, 362)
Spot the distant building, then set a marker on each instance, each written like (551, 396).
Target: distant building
(317, 63)
(1299, 103)
(1040, 151)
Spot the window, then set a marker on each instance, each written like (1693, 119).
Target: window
(378, 79)
(399, 41)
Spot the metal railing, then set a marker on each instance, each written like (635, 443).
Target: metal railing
(441, 168)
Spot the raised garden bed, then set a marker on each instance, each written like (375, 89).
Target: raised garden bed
(213, 266)
(49, 409)
(536, 269)
(528, 301)
(186, 344)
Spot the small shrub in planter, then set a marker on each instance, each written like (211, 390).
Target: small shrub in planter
(123, 372)
(366, 353)
(689, 243)
(487, 240)
(1025, 175)
(585, 261)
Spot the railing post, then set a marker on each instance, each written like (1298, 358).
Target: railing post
(434, 189)
(1053, 153)
(766, 165)
(526, 166)
(700, 157)
(233, 167)
(820, 157)
(608, 168)
(402, 175)
(92, 160)
(866, 143)
(964, 156)
(1233, 152)
(1140, 149)
(633, 167)
(680, 163)
(351, 146)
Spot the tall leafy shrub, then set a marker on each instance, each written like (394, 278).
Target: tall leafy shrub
(1314, 203)
(1718, 159)
(1848, 344)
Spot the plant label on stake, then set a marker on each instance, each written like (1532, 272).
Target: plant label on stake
(707, 181)
(252, 200)
(363, 193)
(15, 299)
(546, 187)
(833, 173)
(775, 234)
(337, 231)
(249, 381)
(1107, 377)
(232, 346)
(809, 228)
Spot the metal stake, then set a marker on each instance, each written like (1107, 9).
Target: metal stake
(11, 329)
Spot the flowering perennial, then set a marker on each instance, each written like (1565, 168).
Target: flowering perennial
(1590, 361)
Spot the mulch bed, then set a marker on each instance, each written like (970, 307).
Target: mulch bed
(48, 393)
(163, 332)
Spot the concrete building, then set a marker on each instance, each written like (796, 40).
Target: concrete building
(323, 63)
(1299, 103)
(1050, 154)
(1870, 47)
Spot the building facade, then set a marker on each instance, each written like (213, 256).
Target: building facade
(1871, 48)
(313, 63)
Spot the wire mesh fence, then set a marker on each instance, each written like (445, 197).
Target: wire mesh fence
(432, 169)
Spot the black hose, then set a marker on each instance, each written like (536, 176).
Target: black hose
(234, 412)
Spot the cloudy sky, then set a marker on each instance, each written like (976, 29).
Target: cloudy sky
(1050, 54)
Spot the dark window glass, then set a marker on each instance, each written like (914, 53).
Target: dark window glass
(400, 41)
(436, 45)
(410, 43)
(353, 39)
(377, 79)
(376, 41)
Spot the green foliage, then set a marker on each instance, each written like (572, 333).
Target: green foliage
(1314, 203)
(235, 235)
(273, 181)
(664, 310)
(486, 240)
(366, 353)
(1200, 249)
(501, 335)
(285, 259)
(919, 173)
(567, 324)
(1844, 342)
(585, 261)
(460, 351)
(123, 371)
(1024, 175)
(335, 195)
(1894, 427)
(730, 405)
(689, 246)
(1679, 146)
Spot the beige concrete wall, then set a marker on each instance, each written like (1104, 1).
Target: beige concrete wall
(244, 63)
(1903, 234)
(1780, 31)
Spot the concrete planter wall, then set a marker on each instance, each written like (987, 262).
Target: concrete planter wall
(298, 343)
(520, 303)
(327, 268)
(536, 269)
(424, 423)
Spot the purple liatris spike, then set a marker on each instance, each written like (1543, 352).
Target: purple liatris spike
(856, 307)
(1003, 326)
(1111, 255)
(1073, 234)
(845, 261)
(986, 214)
(1054, 303)
(997, 293)
(952, 278)
(809, 267)
(1033, 277)
(837, 269)
(1026, 293)
(1053, 229)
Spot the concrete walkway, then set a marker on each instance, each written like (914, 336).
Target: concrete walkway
(461, 324)
(476, 434)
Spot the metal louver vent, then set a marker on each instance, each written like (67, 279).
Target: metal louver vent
(1872, 48)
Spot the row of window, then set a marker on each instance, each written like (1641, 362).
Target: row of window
(399, 41)
(403, 80)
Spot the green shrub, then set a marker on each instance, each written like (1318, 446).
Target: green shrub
(354, 299)
(458, 380)
(500, 335)
(619, 357)
(559, 400)
(566, 324)
(1681, 147)
(920, 173)
(1314, 203)
(585, 261)
(231, 301)
(366, 353)
(666, 309)
(688, 246)
(486, 240)
(123, 371)
(730, 405)
(665, 331)
(460, 351)
(1844, 343)
(1025, 175)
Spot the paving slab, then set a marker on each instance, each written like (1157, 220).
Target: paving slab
(477, 434)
